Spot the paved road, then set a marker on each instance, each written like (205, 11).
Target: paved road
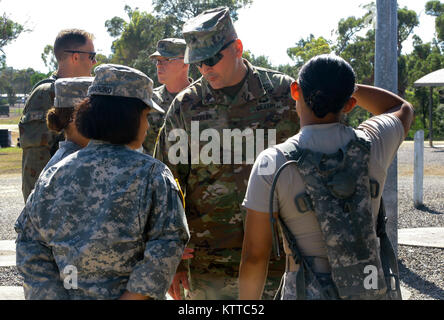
(11, 204)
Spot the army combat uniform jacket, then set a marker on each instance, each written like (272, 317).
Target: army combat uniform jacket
(36, 140)
(101, 221)
(163, 98)
(214, 191)
(65, 149)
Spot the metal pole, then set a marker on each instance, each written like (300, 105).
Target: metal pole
(418, 169)
(386, 77)
(431, 118)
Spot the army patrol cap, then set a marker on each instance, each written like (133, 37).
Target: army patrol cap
(71, 91)
(123, 81)
(170, 48)
(207, 33)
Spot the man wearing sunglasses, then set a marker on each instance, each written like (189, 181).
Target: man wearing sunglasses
(172, 73)
(74, 51)
(231, 94)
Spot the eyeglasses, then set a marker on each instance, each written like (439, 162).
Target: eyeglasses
(92, 54)
(212, 61)
(167, 60)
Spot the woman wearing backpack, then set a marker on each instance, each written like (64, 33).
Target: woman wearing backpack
(324, 91)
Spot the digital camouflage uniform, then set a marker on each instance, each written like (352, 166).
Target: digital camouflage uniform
(36, 140)
(68, 93)
(214, 192)
(107, 215)
(112, 213)
(168, 48)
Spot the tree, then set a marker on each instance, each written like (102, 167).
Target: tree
(308, 48)
(49, 58)
(115, 26)
(259, 61)
(181, 10)
(407, 21)
(37, 77)
(137, 39)
(138, 34)
(436, 9)
(9, 31)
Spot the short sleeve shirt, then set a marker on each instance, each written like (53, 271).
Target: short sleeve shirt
(385, 133)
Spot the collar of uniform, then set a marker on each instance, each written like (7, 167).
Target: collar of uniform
(252, 89)
(166, 95)
(100, 143)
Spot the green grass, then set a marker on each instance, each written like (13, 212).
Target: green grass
(11, 120)
(14, 116)
(10, 160)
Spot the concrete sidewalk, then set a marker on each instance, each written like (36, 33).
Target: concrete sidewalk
(422, 237)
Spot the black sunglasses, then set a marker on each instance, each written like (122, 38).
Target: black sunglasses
(212, 61)
(92, 54)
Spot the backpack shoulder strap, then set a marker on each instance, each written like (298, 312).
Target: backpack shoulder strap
(51, 79)
(388, 257)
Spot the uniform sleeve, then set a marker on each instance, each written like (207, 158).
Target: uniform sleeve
(35, 261)
(259, 184)
(167, 233)
(36, 140)
(173, 145)
(386, 133)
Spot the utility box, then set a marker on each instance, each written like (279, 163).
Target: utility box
(4, 110)
(5, 138)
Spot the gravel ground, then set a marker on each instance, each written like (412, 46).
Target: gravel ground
(421, 268)
(9, 276)
(11, 204)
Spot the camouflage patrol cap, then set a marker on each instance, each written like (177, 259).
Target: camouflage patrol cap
(123, 81)
(70, 91)
(170, 48)
(207, 33)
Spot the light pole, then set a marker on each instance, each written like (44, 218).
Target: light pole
(386, 77)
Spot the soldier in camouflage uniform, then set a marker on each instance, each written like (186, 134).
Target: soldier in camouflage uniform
(232, 94)
(74, 51)
(172, 73)
(69, 92)
(106, 222)
(324, 91)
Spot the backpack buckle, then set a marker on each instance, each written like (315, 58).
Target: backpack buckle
(303, 203)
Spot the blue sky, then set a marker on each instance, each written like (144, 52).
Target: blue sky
(266, 28)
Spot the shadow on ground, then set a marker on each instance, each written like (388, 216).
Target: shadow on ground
(413, 280)
(425, 208)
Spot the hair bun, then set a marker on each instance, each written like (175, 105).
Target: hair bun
(319, 102)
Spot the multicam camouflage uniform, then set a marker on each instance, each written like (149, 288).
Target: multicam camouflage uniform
(168, 48)
(36, 140)
(214, 192)
(68, 93)
(155, 119)
(107, 215)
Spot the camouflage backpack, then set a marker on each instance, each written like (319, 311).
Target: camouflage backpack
(339, 191)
